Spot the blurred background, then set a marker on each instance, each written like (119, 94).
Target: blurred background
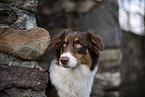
(120, 23)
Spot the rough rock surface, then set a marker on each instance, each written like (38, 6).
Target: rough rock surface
(25, 44)
(12, 17)
(29, 5)
(18, 77)
(12, 61)
(21, 92)
(22, 77)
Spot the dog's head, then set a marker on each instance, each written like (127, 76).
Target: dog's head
(77, 48)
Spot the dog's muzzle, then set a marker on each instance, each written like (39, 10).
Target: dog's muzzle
(67, 60)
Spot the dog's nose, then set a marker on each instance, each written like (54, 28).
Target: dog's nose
(64, 60)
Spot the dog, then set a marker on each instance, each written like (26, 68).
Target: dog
(73, 70)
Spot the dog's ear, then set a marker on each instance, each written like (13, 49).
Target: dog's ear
(58, 40)
(96, 42)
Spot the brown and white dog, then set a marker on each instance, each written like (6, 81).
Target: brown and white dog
(73, 70)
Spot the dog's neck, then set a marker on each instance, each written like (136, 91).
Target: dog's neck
(72, 82)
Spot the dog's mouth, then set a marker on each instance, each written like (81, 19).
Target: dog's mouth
(65, 66)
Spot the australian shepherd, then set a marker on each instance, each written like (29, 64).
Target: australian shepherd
(73, 70)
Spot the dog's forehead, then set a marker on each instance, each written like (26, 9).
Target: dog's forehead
(74, 36)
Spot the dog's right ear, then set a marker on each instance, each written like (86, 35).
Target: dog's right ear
(58, 40)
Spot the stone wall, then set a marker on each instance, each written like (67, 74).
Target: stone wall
(21, 76)
(18, 14)
(21, 43)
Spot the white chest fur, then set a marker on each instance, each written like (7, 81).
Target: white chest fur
(72, 82)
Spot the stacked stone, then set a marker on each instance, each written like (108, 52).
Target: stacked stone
(21, 76)
(21, 43)
(18, 14)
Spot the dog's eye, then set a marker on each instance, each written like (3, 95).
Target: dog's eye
(64, 45)
(78, 45)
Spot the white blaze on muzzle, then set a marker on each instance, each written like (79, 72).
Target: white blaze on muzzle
(67, 60)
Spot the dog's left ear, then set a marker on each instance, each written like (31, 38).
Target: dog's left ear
(96, 42)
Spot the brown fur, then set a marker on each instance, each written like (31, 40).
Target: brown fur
(84, 59)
